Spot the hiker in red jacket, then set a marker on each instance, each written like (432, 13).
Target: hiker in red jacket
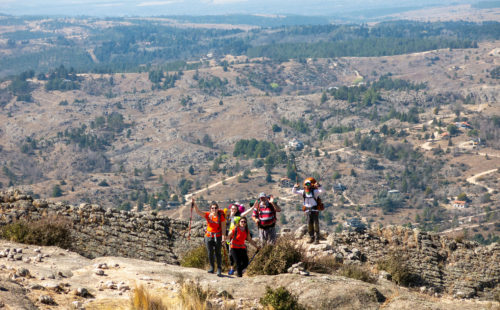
(264, 215)
(214, 234)
(238, 236)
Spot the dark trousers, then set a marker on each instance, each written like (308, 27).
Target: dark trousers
(213, 245)
(313, 224)
(240, 256)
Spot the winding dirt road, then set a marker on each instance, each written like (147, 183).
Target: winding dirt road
(473, 179)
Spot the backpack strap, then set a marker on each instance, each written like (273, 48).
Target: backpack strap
(304, 196)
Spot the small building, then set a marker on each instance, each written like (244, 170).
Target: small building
(296, 144)
(339, 187)
(286, 182)
(355, 224)
(459, 204)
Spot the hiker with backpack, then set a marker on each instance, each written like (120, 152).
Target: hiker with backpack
(238, 235)
(312, 205)
(214, 234)
(264, 215)
(237, 211)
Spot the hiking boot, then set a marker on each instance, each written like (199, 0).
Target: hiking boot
(211, 270)
(316, 241)
(219, 272)
(310, 240)
(230, 272)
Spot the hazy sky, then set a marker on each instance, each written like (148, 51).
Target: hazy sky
(202, 7)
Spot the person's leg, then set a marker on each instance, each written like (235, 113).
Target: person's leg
(240, 261)
(244, 258)
(310, 226)
(218, 248)
(271, 235)
(209, 243)
(231, 260)
(316, 227)
(262, 236)
(234, 256)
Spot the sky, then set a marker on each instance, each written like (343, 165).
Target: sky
(202, 7)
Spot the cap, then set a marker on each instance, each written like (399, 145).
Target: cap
(262, 195)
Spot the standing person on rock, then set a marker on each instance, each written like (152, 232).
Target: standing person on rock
(264, 215)
(237, 211)
(238, 235)
(310, 195)
(214, 234)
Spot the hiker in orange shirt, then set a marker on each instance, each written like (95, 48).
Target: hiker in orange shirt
(238, 236)
(214, 234)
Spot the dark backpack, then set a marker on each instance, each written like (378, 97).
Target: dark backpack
(319, 204)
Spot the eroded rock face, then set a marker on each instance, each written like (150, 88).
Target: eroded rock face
(98, 232)
(462, 269)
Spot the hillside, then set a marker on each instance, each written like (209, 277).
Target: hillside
(404, 114)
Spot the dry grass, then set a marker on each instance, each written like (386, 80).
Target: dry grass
(191, 296)
(357, 272)
(143, 300)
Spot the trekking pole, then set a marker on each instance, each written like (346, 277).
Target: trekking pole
(295, 170)
(226, 255)
(256, 252)
(190, 219)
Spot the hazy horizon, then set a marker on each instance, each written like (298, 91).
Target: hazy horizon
(112, 8)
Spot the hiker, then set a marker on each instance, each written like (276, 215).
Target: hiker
(238, 235)
(236, 212)
(310, 195)
(264, 215)
(214, 236)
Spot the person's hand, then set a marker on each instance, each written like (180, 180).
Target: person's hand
(271, 199)
(296, 185)
(223, 238)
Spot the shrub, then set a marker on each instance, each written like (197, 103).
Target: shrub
(280, 299)
(357, 272)
(196, 258)
(275, 259)
(48, 232)
(397, 266)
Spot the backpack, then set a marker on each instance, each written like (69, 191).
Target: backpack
(319, 204)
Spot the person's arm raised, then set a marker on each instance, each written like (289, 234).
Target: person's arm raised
(196, 209)
(275, 205)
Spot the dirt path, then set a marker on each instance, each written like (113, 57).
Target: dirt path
(188, 196)
(473, 179)
(465, 227)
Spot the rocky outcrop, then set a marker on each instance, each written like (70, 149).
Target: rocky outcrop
(98, 232)
(437, 264)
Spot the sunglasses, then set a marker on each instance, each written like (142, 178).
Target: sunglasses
(214, 208)
(307, 184)
(243, 221)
